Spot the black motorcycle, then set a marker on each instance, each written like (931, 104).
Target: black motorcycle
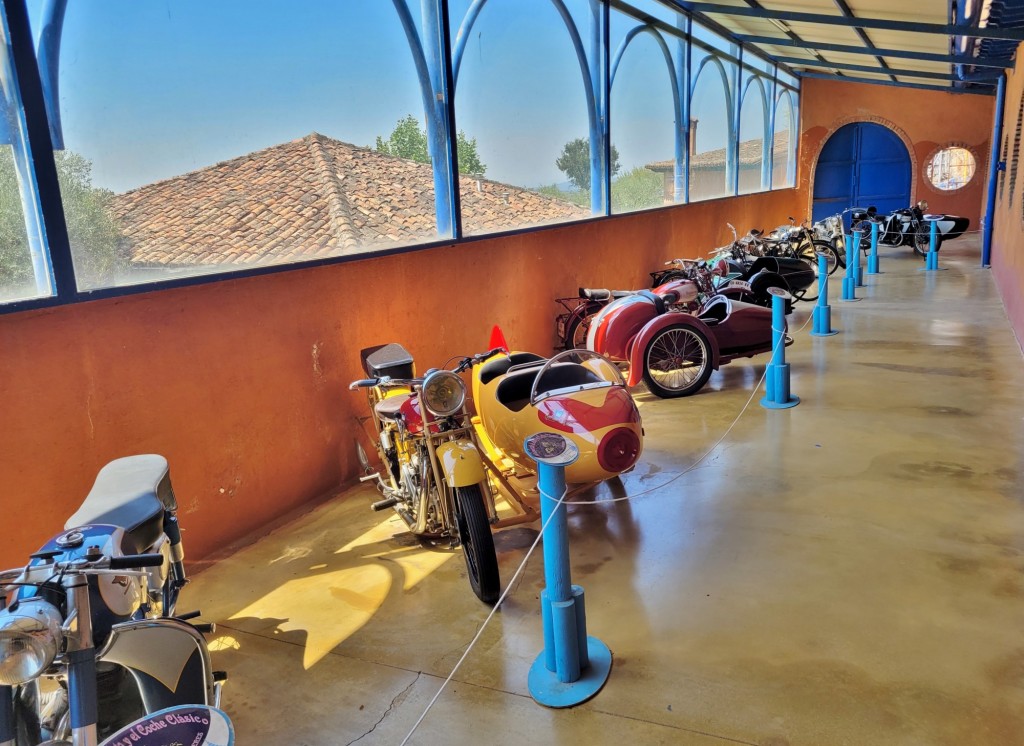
(910, 226)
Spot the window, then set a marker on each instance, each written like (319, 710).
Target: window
(711, 131)
(212, 137)
(520, 94)
(752, 161)
(783, 163)
(24, 259)
(951, 168)
(648, 148)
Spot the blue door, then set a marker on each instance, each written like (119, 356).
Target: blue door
(862, 164)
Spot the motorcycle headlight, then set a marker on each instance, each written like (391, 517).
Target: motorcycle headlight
(29, 638)
(443, 393)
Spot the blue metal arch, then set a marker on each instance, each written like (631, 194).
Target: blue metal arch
(766, 124)
(681, 126)
(730, 105)
(791, 145)
(591, 76)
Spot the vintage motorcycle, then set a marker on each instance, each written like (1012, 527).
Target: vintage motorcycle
(433, 473)
(675, 352)
(88, 637)
(909, 226)
(578, 394)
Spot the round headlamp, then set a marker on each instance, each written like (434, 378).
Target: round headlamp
(443, 393)
(29, 638)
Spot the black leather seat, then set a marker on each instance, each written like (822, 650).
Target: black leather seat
(499, 366)
(131, 493)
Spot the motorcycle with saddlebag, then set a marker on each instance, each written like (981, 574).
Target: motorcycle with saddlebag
(89, 640)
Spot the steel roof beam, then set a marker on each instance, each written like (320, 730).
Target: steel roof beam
(952, 59)
(946, 29)
(873, 81)
(800, 62)
(789, 32)
(845, 10)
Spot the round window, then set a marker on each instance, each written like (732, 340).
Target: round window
(951, 168)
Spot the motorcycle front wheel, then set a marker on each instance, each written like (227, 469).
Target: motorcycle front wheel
(677, 362)
(477, 543)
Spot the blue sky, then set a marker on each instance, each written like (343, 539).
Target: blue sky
(150, 90)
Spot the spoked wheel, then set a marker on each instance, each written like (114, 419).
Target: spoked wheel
(578, 325)
(839, 247)
(677, 361)
(923, 240)
(864, 226)
(477, 543)
(810, 253)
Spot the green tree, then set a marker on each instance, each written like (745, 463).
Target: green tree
(574, 162)
(94, 232)
(408, 140)
(638, 189)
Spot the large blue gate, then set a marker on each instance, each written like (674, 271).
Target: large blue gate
(862, 164)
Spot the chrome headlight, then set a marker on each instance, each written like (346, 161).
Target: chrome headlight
(443, 393)
(29, 638)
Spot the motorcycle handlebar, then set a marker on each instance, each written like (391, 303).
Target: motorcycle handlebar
(363, 383)
(135, 561)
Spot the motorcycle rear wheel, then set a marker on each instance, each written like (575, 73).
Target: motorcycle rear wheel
(477, 543)
(677, 362)
(578, 325)
(923, 241)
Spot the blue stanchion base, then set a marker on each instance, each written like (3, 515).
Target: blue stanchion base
(547, 690)
(849, 300)
(831, 333)
(769, 404)
(859, 278)
(932, 269)
(873, 266)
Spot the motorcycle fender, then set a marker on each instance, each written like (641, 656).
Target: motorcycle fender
(461, 463)
(172, 652)
(639, 343)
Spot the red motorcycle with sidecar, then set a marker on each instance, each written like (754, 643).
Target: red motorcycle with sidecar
(674, 352)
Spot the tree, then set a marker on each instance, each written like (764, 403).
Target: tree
(638, 189)
(408, 140)
(574, 162)
(93, 230)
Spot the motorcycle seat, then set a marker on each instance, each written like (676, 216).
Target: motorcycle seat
(499, 366)
(132, 493)
(391, 408)
(514, 390)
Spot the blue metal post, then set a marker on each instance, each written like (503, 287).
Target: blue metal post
(873, 257)
(994, 166)
(777, 394)
(932, 260)
(821, 316)
(572, 667)
(852, 241)
(858, 273)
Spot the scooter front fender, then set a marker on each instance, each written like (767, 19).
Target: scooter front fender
(168, 659)
(655, 325)
(461, 463)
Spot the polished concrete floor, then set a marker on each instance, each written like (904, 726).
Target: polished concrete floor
(850, 571)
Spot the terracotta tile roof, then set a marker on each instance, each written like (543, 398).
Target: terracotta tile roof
(309, 198)
(750, 153)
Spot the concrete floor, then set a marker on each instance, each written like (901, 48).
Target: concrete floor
(850, 571)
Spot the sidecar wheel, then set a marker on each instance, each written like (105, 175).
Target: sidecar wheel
(677, 361)
(477, 543)
(923, 241)
(578, 326)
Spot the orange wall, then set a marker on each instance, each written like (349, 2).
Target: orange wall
(242, 384)
(924, 120)
(1008, 220)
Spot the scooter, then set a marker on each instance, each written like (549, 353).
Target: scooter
(88, 637)
(908, 226)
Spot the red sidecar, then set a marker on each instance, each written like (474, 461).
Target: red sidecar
(675, 352)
